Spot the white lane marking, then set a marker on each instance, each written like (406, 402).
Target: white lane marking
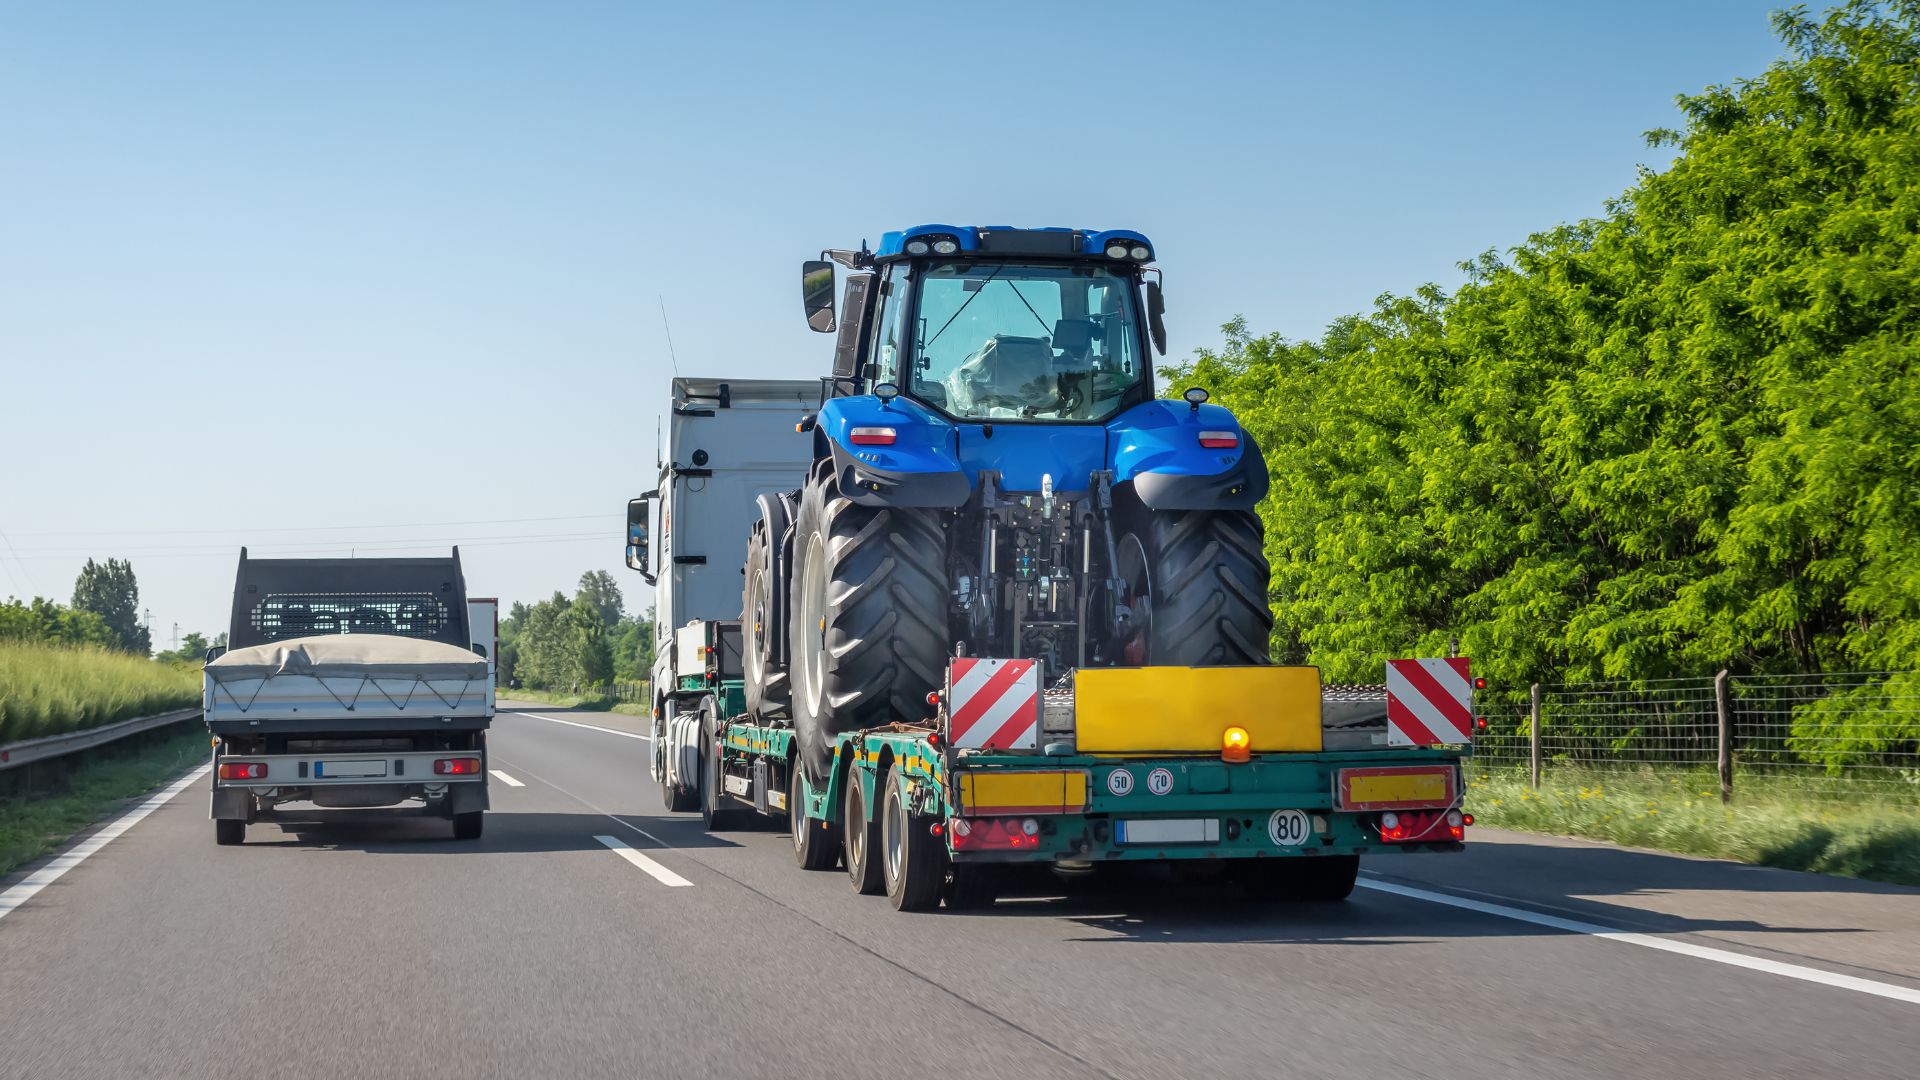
(590, 727)
(51, 872)
(505, 779)
(659, 873)
(1649, 941)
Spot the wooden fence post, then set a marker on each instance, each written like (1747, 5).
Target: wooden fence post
(1723, 705)
(1533, 735)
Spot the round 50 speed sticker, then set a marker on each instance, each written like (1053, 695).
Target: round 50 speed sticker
(1119, 781)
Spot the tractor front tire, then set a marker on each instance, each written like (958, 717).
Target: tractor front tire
(868, 636)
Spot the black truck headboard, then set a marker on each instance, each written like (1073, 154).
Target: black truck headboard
(276, 599)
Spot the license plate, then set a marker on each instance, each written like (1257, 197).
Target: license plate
(328, 770)
(1168, 831)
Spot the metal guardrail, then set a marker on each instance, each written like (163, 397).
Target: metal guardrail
(28, 751)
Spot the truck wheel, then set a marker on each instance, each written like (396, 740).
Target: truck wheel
(973, 887)
(717, 811)
(1321, 878)
(915, 863)
(814, 847)
(1197, 583)
(767, 684)
(467, 826)
(861, 838)
(868, 635)
(229, 831)
(676, 799)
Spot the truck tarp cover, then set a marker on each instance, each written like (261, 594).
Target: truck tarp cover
(375, 656)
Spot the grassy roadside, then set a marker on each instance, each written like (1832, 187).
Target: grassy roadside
(35, 823)
(1771, 823)
(560, 700)
(48, 690)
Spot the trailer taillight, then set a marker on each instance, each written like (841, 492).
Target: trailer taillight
(1423, 826)
(1219, 440)
(872, 436)
(995, 834)
(457, 766)
(243, 770)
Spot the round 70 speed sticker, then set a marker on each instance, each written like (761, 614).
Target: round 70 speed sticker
(1160, 781)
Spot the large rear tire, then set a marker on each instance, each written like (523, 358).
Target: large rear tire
(767, 684)
(815, 846)
(915, 863)
(861, 837)
(868, 635)
(1197, 583)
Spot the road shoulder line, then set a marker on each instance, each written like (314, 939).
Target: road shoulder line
(589, 727)
(1649, 941)
(11, 900)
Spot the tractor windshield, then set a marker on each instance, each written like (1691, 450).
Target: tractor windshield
(1005, 341)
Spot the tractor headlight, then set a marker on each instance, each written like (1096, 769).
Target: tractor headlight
(917, 247)
(1140, 251)
(945, 245)
(1116, 250)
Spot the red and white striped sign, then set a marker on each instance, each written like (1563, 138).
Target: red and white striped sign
(993, 704)
(1429, 702)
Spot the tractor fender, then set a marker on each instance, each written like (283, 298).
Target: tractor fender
(919, 468)
(1156, 447)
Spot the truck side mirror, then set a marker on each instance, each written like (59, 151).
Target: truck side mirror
(215, 653)
(637, 536)
(1156, 316)
(816, 291)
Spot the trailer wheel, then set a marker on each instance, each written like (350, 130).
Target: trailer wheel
(1196, 581)
(468, 826)
(861, 839)
(868, 630)
(767, 684)
(916, 863)
(815, 847)
(1321, 878)
(229, 831)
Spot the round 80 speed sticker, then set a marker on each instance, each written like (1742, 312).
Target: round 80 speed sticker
(1288, 828)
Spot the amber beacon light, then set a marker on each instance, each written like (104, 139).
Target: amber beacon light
(1234, 744)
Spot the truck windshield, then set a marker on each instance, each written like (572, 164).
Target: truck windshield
(1005, 341)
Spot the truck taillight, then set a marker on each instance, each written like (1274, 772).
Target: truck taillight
(995, 834)
(1423, 826)
(243, 770)
(1219, 440)
(872, 436)
(457, 766)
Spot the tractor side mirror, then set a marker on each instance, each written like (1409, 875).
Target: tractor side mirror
(816, 291)
(637, 536)
(1156, 316)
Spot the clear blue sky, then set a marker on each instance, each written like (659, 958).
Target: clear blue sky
(259, 263)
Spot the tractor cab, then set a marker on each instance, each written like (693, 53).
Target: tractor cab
(998, 325)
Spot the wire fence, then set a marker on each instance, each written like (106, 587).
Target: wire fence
(1849, 736)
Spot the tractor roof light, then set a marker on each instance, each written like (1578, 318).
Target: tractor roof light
(918, 246)
(1139, 252)
(1117, 250)
(1196, 396)
(945, 245)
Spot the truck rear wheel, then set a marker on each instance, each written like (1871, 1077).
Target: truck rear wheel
(1197, 584)
(676, 799)
(868, 634)
(229, 831)
(717, 811)
(767, 684)
(862, 837)
(815, 847)
(468, 826)
(915, 863)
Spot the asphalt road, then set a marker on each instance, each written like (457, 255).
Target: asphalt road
(371, 945)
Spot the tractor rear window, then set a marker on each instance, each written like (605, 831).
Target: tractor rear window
(1005, 341)
(278, 616)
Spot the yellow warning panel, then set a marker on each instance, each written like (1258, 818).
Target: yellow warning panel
(1050, 791)
(1186, 710)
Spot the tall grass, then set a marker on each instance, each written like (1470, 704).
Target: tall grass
(49, 690)
(1773, 821)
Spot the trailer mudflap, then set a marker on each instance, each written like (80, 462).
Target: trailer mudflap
(1183, 710)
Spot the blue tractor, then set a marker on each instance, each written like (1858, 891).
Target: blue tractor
(993, 475)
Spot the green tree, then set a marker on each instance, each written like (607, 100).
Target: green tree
(597, 589)
(48, 623)
(589, 655)
(633, 648)
(109, 590)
